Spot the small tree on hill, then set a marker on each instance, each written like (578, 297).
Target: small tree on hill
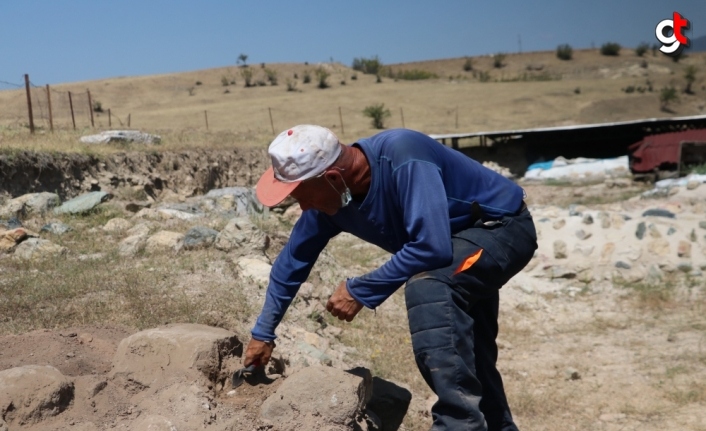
(564, 52)
(499, 60)
(372, 66)
(377, 114)
(271, 76)
(246, 73)
(690, 76)
(642, 49)
(667, 96)
(322, 75)
(468, 64)
(610, 48)
(242, 59)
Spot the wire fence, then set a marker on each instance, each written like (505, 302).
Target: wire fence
(66, 109)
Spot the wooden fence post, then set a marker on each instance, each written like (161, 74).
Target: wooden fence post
(205, 114)
(272, 124)
(51, 119)
(29, 104)
(128, 120)
(340, 116)
(71, 106)
(402, 115)
(110, 119)
(90, 107)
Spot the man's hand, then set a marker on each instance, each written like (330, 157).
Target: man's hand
(342, 305)
(258, 352)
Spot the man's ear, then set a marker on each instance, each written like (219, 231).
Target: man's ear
(332, 175)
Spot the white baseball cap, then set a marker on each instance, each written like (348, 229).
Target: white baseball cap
(297, 154)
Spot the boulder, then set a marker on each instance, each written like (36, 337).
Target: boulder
(164, 241)
(319, 396)
(11, 223)
(9, 239)
(35, 248)
(240, 199)
(658, 212)
(31, 203)
(254, 269)
(684, 249)
(199, 237)
(33, 393)
(640, 232)
(83, 203)
(116, 224)
(121, 137)
(242, 237)
(658, 247)
(131, 245)
(189, 351)
(56, 228)
(560, 249)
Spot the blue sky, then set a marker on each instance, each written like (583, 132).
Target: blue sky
(69, 41)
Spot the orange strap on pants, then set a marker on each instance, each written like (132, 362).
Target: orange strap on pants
(468, 262)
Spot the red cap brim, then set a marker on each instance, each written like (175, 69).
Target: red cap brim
(271, 191)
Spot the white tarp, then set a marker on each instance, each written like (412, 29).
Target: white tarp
(581, 169)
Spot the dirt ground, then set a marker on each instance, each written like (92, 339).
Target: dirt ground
(598, 355)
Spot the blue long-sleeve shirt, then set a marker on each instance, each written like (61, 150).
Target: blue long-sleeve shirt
(420, 193)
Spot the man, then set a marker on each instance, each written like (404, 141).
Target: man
(457, 232)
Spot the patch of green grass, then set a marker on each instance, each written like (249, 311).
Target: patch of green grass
(92, 284)
(699, 169)
(694, 393)
(414, 75)
(655, 296)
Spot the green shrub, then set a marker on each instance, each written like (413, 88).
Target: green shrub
(698, 169)
(372, 66)
(499, 60)
(97, 106)
(482, 75)
(468, 64)
(377, 114)
(610, 48)
(414, 75)
(532, 77)
(564, 52)
(291, 85)
(271, 76)
(224, 81)
(198, 82)
(321, 76)
(306, 78)
(667, 96)
(246, 73)
(642, 49)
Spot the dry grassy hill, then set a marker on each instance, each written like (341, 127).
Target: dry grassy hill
(531, 90)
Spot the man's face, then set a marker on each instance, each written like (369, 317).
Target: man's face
(318, 194)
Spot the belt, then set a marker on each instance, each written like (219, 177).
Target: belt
(477, 212)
